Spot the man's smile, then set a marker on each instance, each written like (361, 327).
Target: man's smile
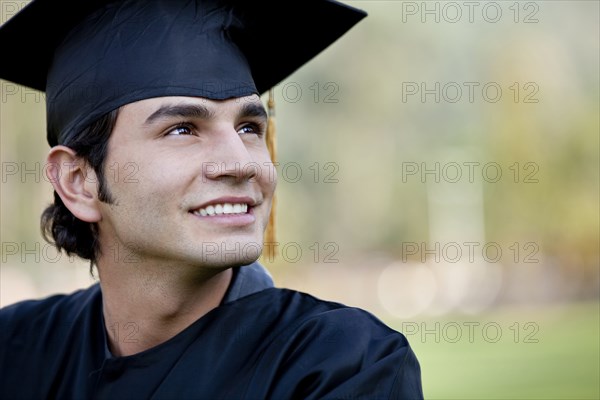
(220, 209)
(229, 210)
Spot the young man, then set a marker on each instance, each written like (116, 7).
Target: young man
(171, 89)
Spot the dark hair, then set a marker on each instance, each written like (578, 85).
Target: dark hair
(59, 226)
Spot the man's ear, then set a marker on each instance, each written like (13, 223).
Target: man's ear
(75, 182)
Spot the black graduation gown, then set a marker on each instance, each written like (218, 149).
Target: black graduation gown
(269, 344)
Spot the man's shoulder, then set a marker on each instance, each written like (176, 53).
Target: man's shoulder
(54, 310)
(311, 309)
(39, 337)
(329, 319)
(346, 349)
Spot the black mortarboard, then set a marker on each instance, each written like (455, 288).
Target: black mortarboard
(91, 57)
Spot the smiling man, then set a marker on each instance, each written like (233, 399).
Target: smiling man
(159, 151)
(156, 232)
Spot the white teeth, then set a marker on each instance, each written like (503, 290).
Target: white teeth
(220, 209)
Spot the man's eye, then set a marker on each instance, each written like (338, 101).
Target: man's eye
(251, 129)
(180, 130)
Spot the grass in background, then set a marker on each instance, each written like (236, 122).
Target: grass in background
(544, 353)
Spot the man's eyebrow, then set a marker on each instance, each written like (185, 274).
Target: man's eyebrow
(253, 110)
(180, 110)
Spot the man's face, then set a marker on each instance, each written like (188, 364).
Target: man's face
(192, 182)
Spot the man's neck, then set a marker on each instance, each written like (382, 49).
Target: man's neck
(144, 307)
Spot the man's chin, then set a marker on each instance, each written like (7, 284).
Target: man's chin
(228, 254)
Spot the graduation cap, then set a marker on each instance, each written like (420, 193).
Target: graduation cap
(94, 56)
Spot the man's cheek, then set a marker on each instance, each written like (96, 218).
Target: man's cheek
(266, 174)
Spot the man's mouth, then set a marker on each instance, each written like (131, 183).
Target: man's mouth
(222, 209)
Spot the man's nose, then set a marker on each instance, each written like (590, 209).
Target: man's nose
(230, 158)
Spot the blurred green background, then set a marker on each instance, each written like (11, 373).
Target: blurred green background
(439, 167)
